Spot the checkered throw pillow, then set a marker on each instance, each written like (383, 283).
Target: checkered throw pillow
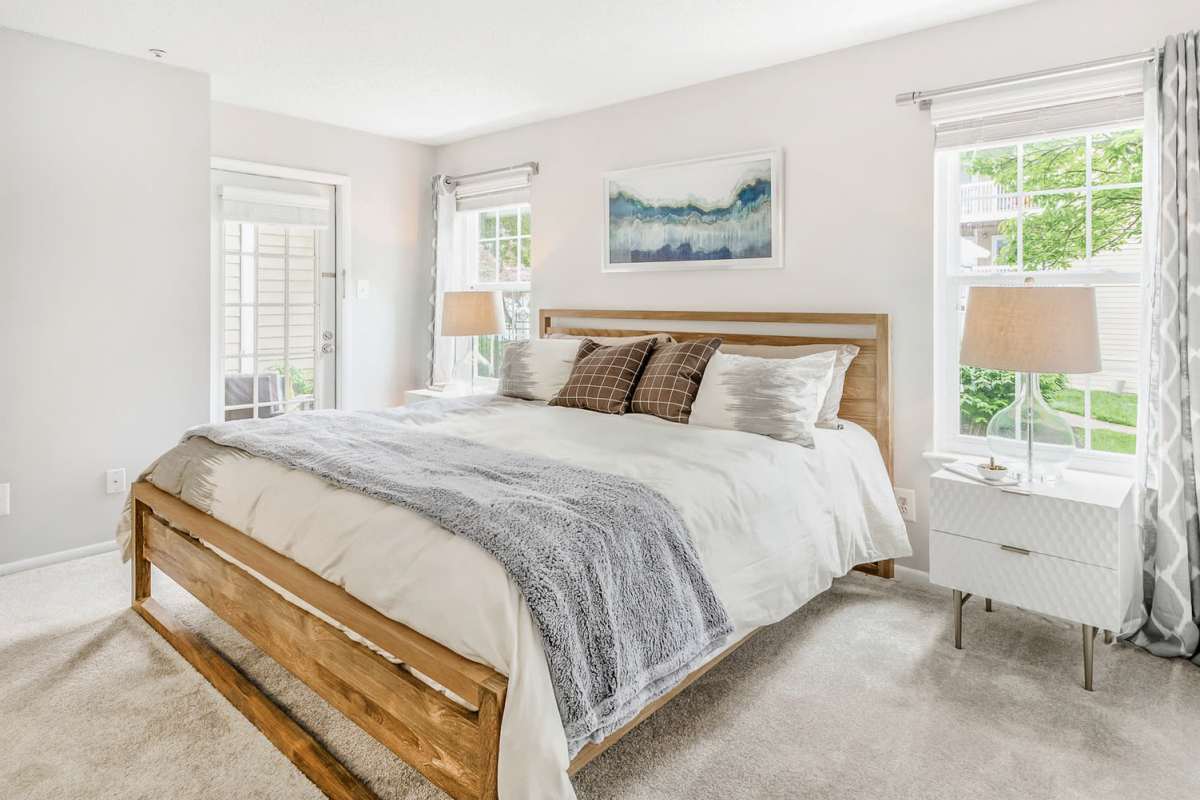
(603, 377)
(671, 379)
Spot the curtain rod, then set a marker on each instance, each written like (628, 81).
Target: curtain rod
(905, 98)
(532, 166)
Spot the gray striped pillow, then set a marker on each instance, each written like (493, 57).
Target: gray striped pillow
(535, 369)
(828, 418)
(776, 397)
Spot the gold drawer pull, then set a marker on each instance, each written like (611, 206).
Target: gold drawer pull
(1011, 549)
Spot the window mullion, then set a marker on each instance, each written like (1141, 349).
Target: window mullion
(287, 248)
(1087, 204)
(1087, 412)
(257, 325)
(1020, 207)
(318, 323)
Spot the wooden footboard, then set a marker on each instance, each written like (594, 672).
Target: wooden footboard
(454, 747)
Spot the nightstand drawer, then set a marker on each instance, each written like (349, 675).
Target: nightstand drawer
(1079, 592)
(1046, 524)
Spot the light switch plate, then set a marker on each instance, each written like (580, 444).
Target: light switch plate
(114, 481)
(5, 499)
(364, 289)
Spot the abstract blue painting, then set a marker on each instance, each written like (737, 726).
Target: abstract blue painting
(711, 213)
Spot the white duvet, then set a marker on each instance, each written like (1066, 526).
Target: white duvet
(774, 523)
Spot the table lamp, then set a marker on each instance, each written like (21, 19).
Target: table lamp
(472, 314)
(1031, 330)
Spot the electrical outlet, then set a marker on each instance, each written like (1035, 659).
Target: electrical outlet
(5, 499)
(114, 481)
(906, 501)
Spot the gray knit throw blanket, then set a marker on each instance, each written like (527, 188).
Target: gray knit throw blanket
(604, 562)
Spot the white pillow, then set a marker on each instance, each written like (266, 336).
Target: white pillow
(828, 418)
(535, 369)
(777, 397)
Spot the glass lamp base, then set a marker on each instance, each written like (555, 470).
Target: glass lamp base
(1042, 457)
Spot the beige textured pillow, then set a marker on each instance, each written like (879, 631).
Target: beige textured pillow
(828, 417)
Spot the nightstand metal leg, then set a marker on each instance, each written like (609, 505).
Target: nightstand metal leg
(1089, 647)
(959, 599)
(987, 604)
(957, 619)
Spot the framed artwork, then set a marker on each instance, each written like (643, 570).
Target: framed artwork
(724, 212)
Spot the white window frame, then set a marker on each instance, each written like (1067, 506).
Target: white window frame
(950, 279)
(249, 360)
(341, 250)
(498, 286)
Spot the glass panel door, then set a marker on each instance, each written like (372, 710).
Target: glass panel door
(278, 302)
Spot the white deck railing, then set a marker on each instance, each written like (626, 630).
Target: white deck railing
(982, 201)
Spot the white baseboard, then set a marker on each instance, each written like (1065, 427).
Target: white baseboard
(910, 575)
(54, 558)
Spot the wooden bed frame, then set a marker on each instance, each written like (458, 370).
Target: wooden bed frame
(456, 748)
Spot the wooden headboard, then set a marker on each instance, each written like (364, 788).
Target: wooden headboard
(867, 398)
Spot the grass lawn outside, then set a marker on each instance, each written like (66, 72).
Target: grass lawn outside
(1119, 409)
(1108, 441)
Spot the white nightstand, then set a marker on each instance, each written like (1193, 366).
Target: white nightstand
(1069, 550)
(421, 395)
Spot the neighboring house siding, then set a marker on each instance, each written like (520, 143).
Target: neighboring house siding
(1117, 313)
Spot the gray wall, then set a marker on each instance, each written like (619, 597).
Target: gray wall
(858, 179)
(105, 270)
(103, 280)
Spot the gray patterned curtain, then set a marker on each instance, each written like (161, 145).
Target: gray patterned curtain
(1169, 521)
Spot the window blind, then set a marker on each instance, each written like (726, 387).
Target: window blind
(1038, 108)
(268, 207)
(501, 189)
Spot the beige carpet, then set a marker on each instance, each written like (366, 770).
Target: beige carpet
(860, 694)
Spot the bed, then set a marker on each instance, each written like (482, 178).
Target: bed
(436, 656)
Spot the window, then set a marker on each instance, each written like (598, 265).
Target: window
(274, 296)
(1065, 209)
(501, 261)
(270, 316)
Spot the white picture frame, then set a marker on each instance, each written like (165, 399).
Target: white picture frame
(708, 184)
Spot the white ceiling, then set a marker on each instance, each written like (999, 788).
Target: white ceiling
(437, 71)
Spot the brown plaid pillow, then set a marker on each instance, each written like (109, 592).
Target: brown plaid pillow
(603, 377)
(671, 379)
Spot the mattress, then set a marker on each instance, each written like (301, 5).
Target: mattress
(773, 523)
